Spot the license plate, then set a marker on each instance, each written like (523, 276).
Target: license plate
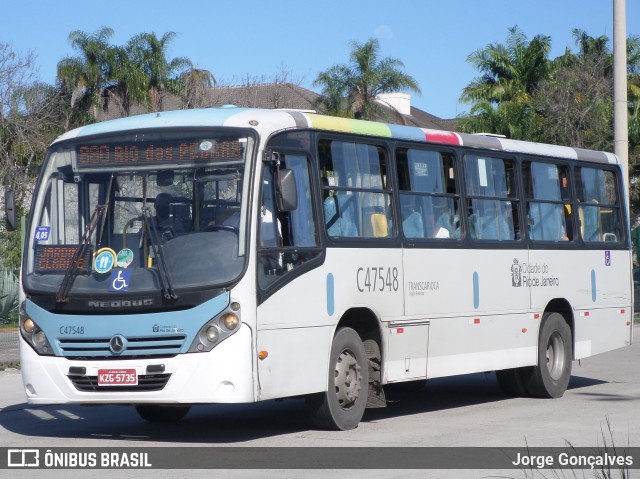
(117, 377)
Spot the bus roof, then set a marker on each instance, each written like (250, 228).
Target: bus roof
(270, 121)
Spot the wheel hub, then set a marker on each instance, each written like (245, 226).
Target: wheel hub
(348, 379)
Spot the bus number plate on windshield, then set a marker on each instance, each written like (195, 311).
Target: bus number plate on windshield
(117, 377)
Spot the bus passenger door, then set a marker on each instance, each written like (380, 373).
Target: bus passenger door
(290, 285)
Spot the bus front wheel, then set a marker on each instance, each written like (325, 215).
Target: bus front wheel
(161, 413)
(342, 406)
(551, 376)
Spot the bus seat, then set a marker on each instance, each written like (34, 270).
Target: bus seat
(495, 226)
(207, 217)
(413, 226)
(379, 225)
(472, 219)
(546, 222)
(589, 223)
(182, 213)
(338, 225)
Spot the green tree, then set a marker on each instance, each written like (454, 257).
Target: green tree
(195, 84)
(501, 96)
(162, 75)
(359, 82)
(575, 102)
(128, 83)
(86, 75)
(633, 95)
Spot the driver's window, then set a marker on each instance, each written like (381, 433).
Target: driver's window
(285, 238)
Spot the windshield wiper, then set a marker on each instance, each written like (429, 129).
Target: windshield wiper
(79, 256)
(165, 279)
(99, 213)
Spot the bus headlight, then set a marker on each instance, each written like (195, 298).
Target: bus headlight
(29, 326)
(32, 333)
(230, 321)
(39, 339)
(212, 334)
(217, 329)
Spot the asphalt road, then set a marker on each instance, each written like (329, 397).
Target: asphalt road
(600, 408)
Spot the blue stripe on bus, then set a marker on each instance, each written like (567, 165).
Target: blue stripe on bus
(331, 304)
(135, 324)
(198, 117)
(593, 285)
(407, 132)
(476, 290)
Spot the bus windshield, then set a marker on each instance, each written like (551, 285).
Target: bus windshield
(139, 214)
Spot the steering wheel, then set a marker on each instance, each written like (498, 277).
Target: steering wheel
(233, 229)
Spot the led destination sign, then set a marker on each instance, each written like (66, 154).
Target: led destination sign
(133, 153)
(56, 259)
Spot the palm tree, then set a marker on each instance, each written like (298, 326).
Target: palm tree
(509, 76)
(361, 81)
(85, 75)
(162, 75)
(128, 81)
(195, 84)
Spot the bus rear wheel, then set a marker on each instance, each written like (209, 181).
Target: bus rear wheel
(342, 406)
(162, 413)
(550, 378)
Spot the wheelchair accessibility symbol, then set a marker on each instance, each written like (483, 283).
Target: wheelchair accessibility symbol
(120, 280)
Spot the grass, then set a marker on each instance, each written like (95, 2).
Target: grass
(9, 365)
(607, 447)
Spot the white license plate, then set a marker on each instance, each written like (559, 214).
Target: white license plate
(117, 377)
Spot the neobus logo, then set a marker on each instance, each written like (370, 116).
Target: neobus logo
(124, 303)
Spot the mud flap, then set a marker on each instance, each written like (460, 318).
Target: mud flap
(375, 397)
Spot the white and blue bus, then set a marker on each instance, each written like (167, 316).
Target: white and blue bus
(238, 255)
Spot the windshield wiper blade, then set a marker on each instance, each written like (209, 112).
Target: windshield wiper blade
(165, 279)
(80, 254)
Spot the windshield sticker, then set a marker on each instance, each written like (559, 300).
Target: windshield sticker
(105, 260)
(124, 258)
(120, 280)
(42, 233)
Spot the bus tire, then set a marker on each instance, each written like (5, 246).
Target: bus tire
(512, 381)
(342, 406)
(162, 413)
(550, 378)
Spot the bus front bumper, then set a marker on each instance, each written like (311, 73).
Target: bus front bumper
(223, 375)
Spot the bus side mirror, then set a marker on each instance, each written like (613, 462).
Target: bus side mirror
(10, 209)
(286, 191)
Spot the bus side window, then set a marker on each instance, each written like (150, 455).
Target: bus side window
(598, 205)
(492, 204)
(548, 207)
(428, 201)
(356, 196)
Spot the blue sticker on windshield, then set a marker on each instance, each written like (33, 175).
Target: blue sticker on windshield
(42, 233)
(120, 280)
(104, 260)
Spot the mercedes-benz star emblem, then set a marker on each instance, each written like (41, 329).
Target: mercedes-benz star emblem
(117, 344)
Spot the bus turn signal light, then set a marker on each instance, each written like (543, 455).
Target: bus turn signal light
(262, 355)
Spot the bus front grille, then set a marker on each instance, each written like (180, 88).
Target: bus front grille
(146, 382)
(130, 346)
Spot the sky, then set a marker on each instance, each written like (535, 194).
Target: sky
(240, 39)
